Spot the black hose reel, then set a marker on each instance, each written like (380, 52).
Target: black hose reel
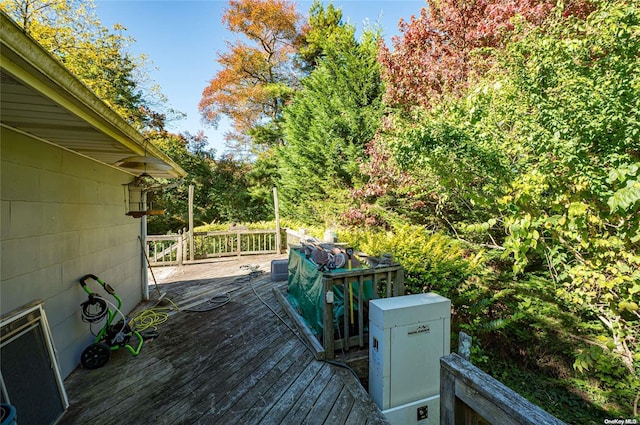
(94, 309)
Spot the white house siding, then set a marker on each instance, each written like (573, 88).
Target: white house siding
(63, 216)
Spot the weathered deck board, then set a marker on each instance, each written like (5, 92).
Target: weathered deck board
(302, 405)
(324, 403)
(297, 388)
(237, 364)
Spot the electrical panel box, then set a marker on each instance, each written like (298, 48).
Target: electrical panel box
(407, 337)
(421, 412)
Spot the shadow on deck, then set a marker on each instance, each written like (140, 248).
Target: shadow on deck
(237, 364)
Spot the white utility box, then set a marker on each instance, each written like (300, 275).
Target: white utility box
(407, 337)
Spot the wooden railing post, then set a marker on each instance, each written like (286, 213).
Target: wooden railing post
(464, 346)
(179, 254)
(191, 240)
(360, 311)
(327, 325)
(447, 396)
(400, 281)
(188, 245)
(277, 211)
(467, 393)
(346, 313)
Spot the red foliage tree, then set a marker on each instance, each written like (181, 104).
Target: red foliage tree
(390, 192)
(434, 54)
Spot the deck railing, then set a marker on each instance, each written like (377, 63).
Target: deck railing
(388, 280)
(469, 396)
(294, 237)
(166, 250)
(234, 242)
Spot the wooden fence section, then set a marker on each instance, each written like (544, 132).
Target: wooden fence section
(234, 242)
(388, 280)
(467, 395)
(168, 250)
(294, 238)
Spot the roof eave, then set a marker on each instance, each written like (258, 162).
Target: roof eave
(23, 57)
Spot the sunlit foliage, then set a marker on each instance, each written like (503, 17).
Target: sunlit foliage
(327, 126)
(71, 31)
(257, 75)
(440, 49)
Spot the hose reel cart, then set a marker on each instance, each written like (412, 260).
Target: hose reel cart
(111, 337)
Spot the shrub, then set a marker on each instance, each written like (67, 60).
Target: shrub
(431, 261)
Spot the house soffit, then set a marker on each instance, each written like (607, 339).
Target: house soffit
(40, 98)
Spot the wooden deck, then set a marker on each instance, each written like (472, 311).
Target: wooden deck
(237, 364)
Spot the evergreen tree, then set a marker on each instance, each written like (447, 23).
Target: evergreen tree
(327, 126)
(317, 34)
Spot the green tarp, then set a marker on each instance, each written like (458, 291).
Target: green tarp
(306, 296)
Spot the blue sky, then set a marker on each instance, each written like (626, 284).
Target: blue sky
(181, 39)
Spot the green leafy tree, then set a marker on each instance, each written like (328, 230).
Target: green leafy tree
(234, 198)
(222, 187)
(188, 152)
(327, 125)
(576, 205)
(541, 159)
(262, 178)
(315, 35)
